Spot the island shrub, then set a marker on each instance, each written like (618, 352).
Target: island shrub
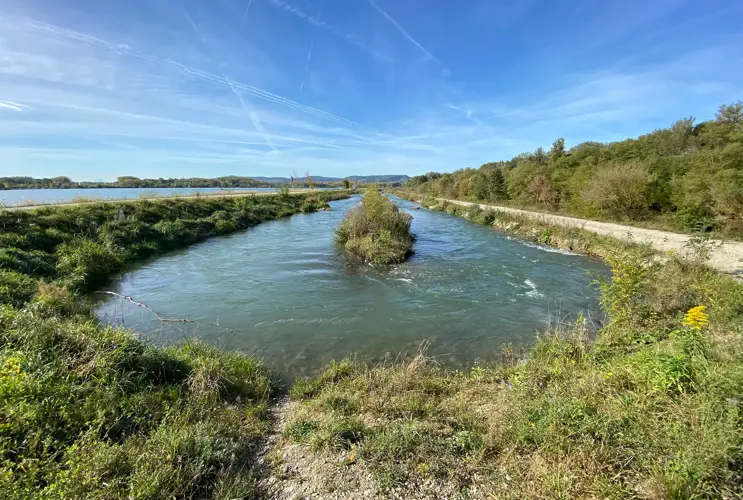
(377, 231)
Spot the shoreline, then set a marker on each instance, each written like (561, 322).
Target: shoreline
(724, 255)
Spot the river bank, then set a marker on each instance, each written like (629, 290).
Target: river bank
(644, 410)
(649, 409)
(724, 255)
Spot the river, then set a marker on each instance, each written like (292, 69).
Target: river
(284, 292)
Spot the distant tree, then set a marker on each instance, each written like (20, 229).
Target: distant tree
(478, 187)
(540, 157)
(558, 150)
(128, 181)
(310, 184)
(730, 113)
(680, 136)
(346, 184)
(463, 187)
(497, 185)
(619, 190)
(541, 190)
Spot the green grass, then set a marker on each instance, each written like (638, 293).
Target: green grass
(92, 412)
(376, 231)
(649, 409)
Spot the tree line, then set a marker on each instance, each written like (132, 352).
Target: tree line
(688, 176)
(129, 182)
(63, 182)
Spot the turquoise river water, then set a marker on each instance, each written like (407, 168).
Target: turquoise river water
(284, 292)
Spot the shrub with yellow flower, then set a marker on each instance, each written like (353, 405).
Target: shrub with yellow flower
(696, 317)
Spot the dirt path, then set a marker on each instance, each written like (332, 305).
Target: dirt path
(726, 256)
(238, 194)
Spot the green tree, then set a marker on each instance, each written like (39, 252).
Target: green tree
(619, 190)
(478, 187)
(730, 113)
(557, 150)
(346, 184)
(497, 185)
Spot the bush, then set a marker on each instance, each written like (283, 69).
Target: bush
(16, 288)
(619, 190)
(86, 264)
(377, 231)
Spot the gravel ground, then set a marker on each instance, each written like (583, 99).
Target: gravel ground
(725, 256)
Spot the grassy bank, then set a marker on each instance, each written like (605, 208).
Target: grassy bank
(76, 249)
(92, 412)
(651, 409)
(377, 231)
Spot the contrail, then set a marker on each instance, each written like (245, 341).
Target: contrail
(12, 105)
(403, 32)
(247, 89)
(193, 25)
(245, 16)
(253, 116)
(312, 44)
(307, 66)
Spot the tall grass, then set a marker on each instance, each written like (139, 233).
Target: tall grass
(92, 412)
(377, 231)
(651, 409)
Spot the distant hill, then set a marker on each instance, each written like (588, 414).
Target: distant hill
(353, 178)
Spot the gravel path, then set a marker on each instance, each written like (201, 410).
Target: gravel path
(726, 256)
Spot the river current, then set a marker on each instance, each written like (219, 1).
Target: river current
(284, 292)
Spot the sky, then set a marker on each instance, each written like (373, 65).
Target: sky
(180, 88)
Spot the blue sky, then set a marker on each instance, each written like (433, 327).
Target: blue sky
(180, 88)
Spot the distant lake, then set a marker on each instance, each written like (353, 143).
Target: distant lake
(41, 196)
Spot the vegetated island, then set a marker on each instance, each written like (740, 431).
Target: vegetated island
(650, 408)
(376, 230)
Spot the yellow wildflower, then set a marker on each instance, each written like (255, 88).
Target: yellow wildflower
(696, 317)
(12, 366)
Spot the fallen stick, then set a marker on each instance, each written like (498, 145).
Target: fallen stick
(139, 304)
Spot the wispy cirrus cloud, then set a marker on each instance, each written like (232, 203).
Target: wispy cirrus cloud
(13, 106)
(344, 34)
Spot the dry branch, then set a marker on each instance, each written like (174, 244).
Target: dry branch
(139, 304)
